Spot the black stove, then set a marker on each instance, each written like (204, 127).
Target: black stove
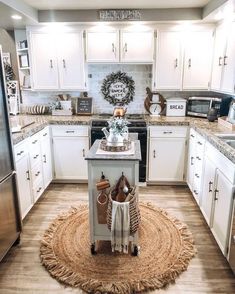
(137, 125)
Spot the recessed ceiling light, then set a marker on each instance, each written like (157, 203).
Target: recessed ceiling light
(16, 16)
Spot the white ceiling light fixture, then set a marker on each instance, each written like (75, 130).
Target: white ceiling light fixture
(16, 16)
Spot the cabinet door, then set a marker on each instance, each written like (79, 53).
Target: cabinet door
(222, 210)
(197, 62)
(69, 157)
(191, 160)
(228, 79)
(46, 161)
(169, 61)
(137, 46)
(102, 46)
(166, 159)
(44, 61)
(207, 194)
(71, 61)
(24, 186)
(219, 49)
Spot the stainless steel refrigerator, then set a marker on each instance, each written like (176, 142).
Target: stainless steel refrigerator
(10, 223)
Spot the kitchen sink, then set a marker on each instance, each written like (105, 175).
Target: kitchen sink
(231, 143)
(226, 136)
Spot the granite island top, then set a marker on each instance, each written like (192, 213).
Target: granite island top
(207, 129)
(92, 155)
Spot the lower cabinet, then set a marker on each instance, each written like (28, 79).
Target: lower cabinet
(24, 184)
(217, 197)
(45, 140)
(167, 148)
(70, 146)
(195, 163)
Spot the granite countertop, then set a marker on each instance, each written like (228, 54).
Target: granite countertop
(207, 129)
(115, 156)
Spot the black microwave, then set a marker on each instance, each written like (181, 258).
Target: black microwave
(199, 106)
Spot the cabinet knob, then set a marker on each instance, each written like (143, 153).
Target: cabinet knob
(154, 154)
(216, 191)
(225, 57)
(210, 185)
(189, 63)
(220, 58)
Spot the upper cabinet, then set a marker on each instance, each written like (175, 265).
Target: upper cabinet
(183, 60)
(137, 46)
(223, 73)
(126, 46)
(102, 46)
(57, 61)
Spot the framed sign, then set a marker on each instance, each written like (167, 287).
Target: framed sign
(118, 88)
(84, 106)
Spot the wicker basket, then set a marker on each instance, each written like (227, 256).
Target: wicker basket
(134, 211)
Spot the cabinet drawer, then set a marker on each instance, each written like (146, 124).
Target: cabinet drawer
(38, 190)
(45, 134)
(168, 131)
(69, 131)
(20, 150)
(36, 172)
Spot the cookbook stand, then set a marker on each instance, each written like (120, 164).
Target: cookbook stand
(113, 165)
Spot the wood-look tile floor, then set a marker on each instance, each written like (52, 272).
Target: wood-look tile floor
(21, 271)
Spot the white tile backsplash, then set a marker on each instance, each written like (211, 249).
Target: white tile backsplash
(141, 74)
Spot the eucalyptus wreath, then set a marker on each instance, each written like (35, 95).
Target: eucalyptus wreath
(114, 78)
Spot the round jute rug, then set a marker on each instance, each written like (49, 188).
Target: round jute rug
(166, 249)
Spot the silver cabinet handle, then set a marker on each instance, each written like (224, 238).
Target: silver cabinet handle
(51, 63)
(167, 132)
(83, 152)
(34, 142)
(37, 174)
(154, 154)
(176, 62)
(64, 64)
(195, 191)
(45, 134)
(198, 158)
(27, 175)
(225, 57)
(45, 158)
(125, 47)
(216, 191)
(191, 159)
(39, 189)
(36, 156)
(192, 136)
(210, 185)
(220, 58)
(21, 152)
(197, 175)
(199, 143)
(189, 63)
(68, 132)
(113, 48)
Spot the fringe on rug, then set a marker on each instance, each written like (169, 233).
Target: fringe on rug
(65, 275)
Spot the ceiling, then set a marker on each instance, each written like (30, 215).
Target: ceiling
(108, 4)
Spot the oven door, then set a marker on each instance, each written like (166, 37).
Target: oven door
(198, 107)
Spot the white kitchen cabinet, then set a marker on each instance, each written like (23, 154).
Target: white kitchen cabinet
(197, 60)
(223, 71)
(169, 60)
(57, 60)
(195, 164)
(44, 61)
(167, 148)
(71, 61)
(45, 140)
(70, 145)
(207, 195)
(23, 177)
(102, 46)
(183, 60)
(191, 159)
(137, 46)
(223, 197)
